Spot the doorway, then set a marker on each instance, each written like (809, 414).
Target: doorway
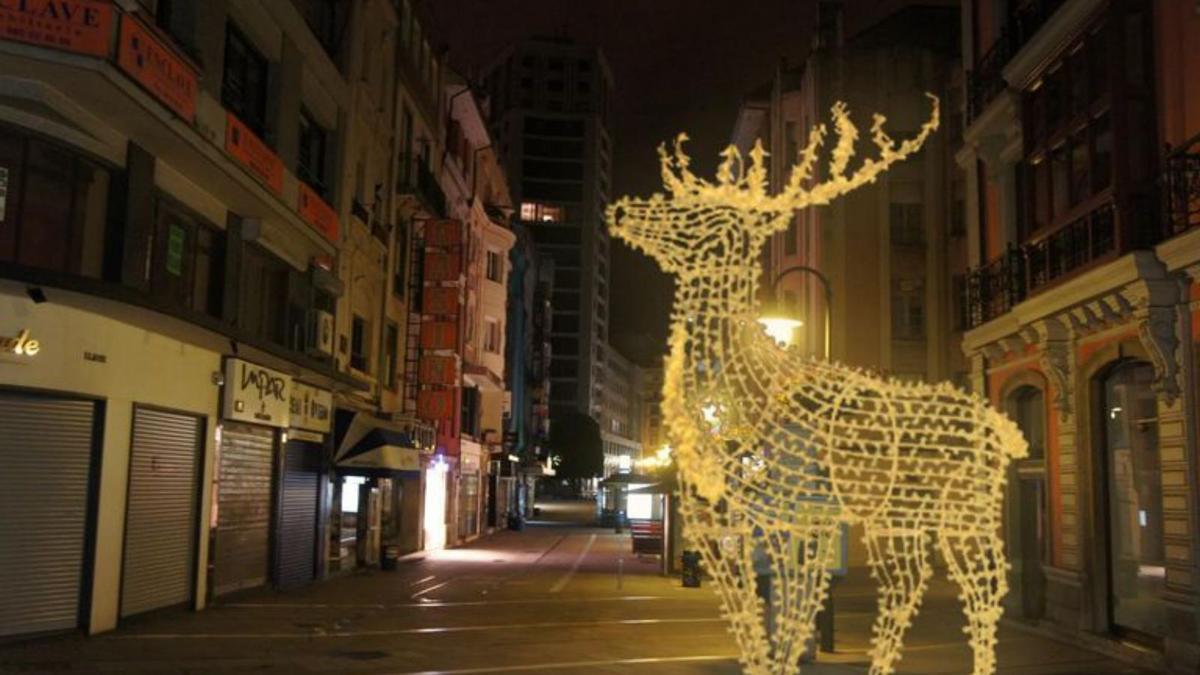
(1133, 482)
(1029, 537)
(435, 506)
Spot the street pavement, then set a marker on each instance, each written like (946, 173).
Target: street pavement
(558, 597)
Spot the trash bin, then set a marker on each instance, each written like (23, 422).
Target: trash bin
(691, 569)
(390, 558)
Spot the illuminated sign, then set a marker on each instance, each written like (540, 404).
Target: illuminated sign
(20, 344)
(247, 148)
(254, 393)
(145, 58)
(80, 26)
(317, 212)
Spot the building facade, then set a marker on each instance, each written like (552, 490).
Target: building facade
(620, 412)
(550, 115)
(203, 279)
(1082, 306)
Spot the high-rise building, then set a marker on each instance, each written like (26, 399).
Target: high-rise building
(549, 113)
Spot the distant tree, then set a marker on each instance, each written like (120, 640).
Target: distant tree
(575, 438)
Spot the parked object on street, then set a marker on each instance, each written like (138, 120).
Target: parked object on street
(691, 569)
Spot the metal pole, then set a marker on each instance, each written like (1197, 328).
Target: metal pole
(826, 286)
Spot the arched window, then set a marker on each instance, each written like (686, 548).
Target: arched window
(1029, 412)
(1028, 514)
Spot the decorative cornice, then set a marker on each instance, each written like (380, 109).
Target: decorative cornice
(1070, 20)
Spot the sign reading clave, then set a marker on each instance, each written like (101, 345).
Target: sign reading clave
(311, 408)
(257, 394)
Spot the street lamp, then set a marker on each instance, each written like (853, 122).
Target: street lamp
(778, 320)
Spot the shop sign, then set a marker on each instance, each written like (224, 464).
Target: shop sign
(154, 65)
(248, 149)
(439, 335)
(311, 408)
(318, 213)
(435, 404)
(254, 393)
(80, 26)
(443, 233)
(440, 300)
(20, 344)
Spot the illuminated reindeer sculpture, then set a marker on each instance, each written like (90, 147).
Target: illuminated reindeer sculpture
(777, 449)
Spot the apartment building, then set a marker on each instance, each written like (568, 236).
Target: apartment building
(620, 412)
(550, 116)
(1082, 163)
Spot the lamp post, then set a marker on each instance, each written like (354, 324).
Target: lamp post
(778, 319)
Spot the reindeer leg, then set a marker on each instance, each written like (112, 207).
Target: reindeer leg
(976, 562)
(799, 589)
(899, 563)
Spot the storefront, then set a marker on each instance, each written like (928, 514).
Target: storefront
(257, 402)
(99, 420)
(297, 546)
(469, 503)
(376, 490)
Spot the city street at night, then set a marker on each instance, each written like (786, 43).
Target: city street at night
(558, 597)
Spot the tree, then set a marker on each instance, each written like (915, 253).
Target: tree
(575, 438)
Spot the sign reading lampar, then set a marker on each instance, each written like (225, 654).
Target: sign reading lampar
(802, 446)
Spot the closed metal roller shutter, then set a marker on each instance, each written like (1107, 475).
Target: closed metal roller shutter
(45, 463)
(160, 524)
(298, 514)
(243, 507)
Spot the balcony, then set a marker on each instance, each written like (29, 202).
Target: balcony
(1181, 188)
(986, 80)
(417, 180)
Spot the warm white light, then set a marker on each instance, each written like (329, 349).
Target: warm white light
(778, 450)
(639, 506)
(624, 463)
(781, 329)
(435, 505)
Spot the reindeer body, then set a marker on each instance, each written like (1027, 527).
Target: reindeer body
(776, 450)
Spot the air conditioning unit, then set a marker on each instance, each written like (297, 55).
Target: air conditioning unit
(320, 337)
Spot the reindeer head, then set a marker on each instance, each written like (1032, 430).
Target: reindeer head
(702, 227)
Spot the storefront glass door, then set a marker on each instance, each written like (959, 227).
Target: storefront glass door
(1136, 553)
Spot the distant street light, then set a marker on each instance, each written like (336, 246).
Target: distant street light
(780, 322)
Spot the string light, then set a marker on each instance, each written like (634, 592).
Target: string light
(777, 449)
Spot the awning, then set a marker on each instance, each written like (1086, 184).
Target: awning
(367, 442)
(630, 481)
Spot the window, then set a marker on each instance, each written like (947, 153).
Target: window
(310, 163)
(359, 350)
(495, 267)
(323, 20)
(491, 337)
(400, 259)
(908, 309)
(187, 259)
(53, 206)
(391, 364)
(244, 85)
(907, 223)
(544, 213)
(264, 295)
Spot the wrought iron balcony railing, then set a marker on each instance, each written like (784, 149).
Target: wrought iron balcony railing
(986, 80)
(1181, 188)
(417, 179)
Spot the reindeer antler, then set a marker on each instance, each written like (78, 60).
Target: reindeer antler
(741, 186)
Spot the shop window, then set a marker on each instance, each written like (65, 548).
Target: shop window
(187, 259)
(495, 266)
(244, 85)
(264, 295)
(311, 159)
(53, 206)
(359, 348)
(391, 351)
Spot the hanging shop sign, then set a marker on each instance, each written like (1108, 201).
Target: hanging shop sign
(155, 66)
(248, 149)
(317, 213)
(20, 344)
(311, 408)
(254, 393)
(80, 26)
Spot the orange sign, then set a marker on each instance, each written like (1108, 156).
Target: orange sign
(437, 370)
(443, 233)
(247, 148)
(442, 267)
(439, 300)
(317, 213)
(439, 335)
(156, 67)
(435, 404)
(80, 26)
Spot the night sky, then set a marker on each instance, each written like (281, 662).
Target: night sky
(678, 66)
